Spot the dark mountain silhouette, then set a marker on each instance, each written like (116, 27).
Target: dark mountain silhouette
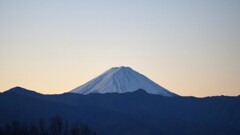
(24, 92)
(127, 113)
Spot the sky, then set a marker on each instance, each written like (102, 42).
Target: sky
(190, 47)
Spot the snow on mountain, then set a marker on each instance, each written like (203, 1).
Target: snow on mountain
(121, 80)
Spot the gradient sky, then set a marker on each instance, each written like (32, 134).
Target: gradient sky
(190, 47)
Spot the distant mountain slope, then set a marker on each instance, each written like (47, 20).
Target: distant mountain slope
(127, 113)
(121, 80)
(22, 91)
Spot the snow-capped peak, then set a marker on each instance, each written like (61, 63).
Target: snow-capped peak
(120, 80)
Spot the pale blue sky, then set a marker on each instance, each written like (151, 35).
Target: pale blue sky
(191, 47)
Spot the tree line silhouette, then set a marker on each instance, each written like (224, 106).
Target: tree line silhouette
(54, 126)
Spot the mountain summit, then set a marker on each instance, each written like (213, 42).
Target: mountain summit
(121, 80)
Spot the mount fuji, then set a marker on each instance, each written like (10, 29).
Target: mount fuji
(121, 80)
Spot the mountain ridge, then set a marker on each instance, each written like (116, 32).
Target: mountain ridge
(135, 112)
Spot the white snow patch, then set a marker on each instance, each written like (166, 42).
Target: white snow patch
(121, 80)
